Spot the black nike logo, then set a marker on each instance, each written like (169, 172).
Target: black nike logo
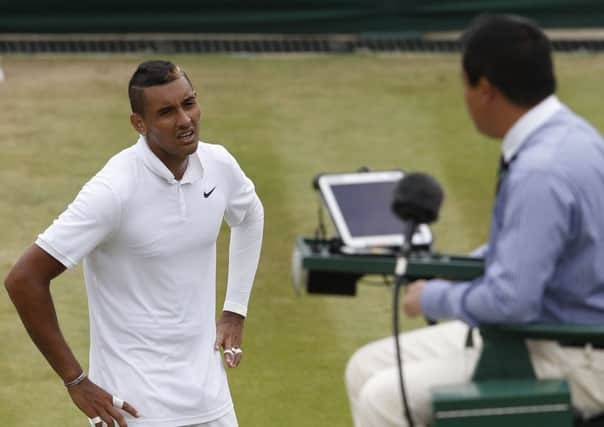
(209, 193)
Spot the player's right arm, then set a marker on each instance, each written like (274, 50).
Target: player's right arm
(90, 219)
(28, 284)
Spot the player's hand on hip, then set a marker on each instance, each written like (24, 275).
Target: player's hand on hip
(98, 405)
(229, 335)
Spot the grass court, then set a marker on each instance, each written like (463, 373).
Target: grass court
(285, 118)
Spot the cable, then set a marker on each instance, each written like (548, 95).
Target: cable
(400, 281)
(320, 231)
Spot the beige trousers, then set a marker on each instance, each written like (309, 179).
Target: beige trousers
(437, 355)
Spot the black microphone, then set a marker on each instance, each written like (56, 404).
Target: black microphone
(417, 200)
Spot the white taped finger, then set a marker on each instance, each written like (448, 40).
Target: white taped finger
(118, 403)
(236, 350)
(229, 351)
(94, 421)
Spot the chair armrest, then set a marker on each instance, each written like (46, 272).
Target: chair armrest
(504, 353)
(564, 334)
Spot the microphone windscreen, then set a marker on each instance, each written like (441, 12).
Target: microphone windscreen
(417, 197)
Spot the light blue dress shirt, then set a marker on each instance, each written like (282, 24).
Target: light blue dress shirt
(545, 256)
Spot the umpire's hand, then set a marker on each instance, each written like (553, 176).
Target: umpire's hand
(412, 298)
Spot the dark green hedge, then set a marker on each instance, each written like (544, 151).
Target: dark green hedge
(281, 16)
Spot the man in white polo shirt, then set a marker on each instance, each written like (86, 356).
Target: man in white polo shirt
(145, 227)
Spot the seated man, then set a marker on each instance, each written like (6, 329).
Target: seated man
(546, 243)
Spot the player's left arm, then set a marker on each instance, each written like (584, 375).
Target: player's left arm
(245, 215)
(244, 255)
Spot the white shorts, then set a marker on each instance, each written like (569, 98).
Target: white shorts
(229, 420)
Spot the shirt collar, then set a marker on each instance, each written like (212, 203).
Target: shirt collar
(193, 172)
(526, 124)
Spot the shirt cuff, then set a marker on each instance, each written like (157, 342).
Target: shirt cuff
(433, 299)
(480, 252)
(235, 308)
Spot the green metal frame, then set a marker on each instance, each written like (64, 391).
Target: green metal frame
(316, 257)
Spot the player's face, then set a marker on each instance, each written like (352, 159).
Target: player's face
(171, 119)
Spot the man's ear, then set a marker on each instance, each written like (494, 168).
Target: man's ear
(487, 91)
(138, 123)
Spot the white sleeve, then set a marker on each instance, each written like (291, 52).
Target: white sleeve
(244, 254)
(245, 215)
(87, 221)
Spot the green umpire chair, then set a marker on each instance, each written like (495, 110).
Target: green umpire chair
(504, 390)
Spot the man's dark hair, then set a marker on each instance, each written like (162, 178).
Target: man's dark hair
(513, 54)
(151, 73)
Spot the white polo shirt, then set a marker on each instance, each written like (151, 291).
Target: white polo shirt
(149, 248)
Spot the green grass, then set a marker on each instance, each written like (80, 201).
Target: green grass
(285, 118)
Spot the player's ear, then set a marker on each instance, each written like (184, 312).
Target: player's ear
(138, 123)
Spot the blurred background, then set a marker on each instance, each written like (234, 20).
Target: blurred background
(292, 89)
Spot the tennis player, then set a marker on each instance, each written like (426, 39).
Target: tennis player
(145, 227)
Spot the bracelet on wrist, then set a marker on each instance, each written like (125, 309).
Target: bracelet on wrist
(76, 381)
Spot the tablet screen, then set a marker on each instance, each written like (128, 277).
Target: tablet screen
(365, 208)
(359, 205)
